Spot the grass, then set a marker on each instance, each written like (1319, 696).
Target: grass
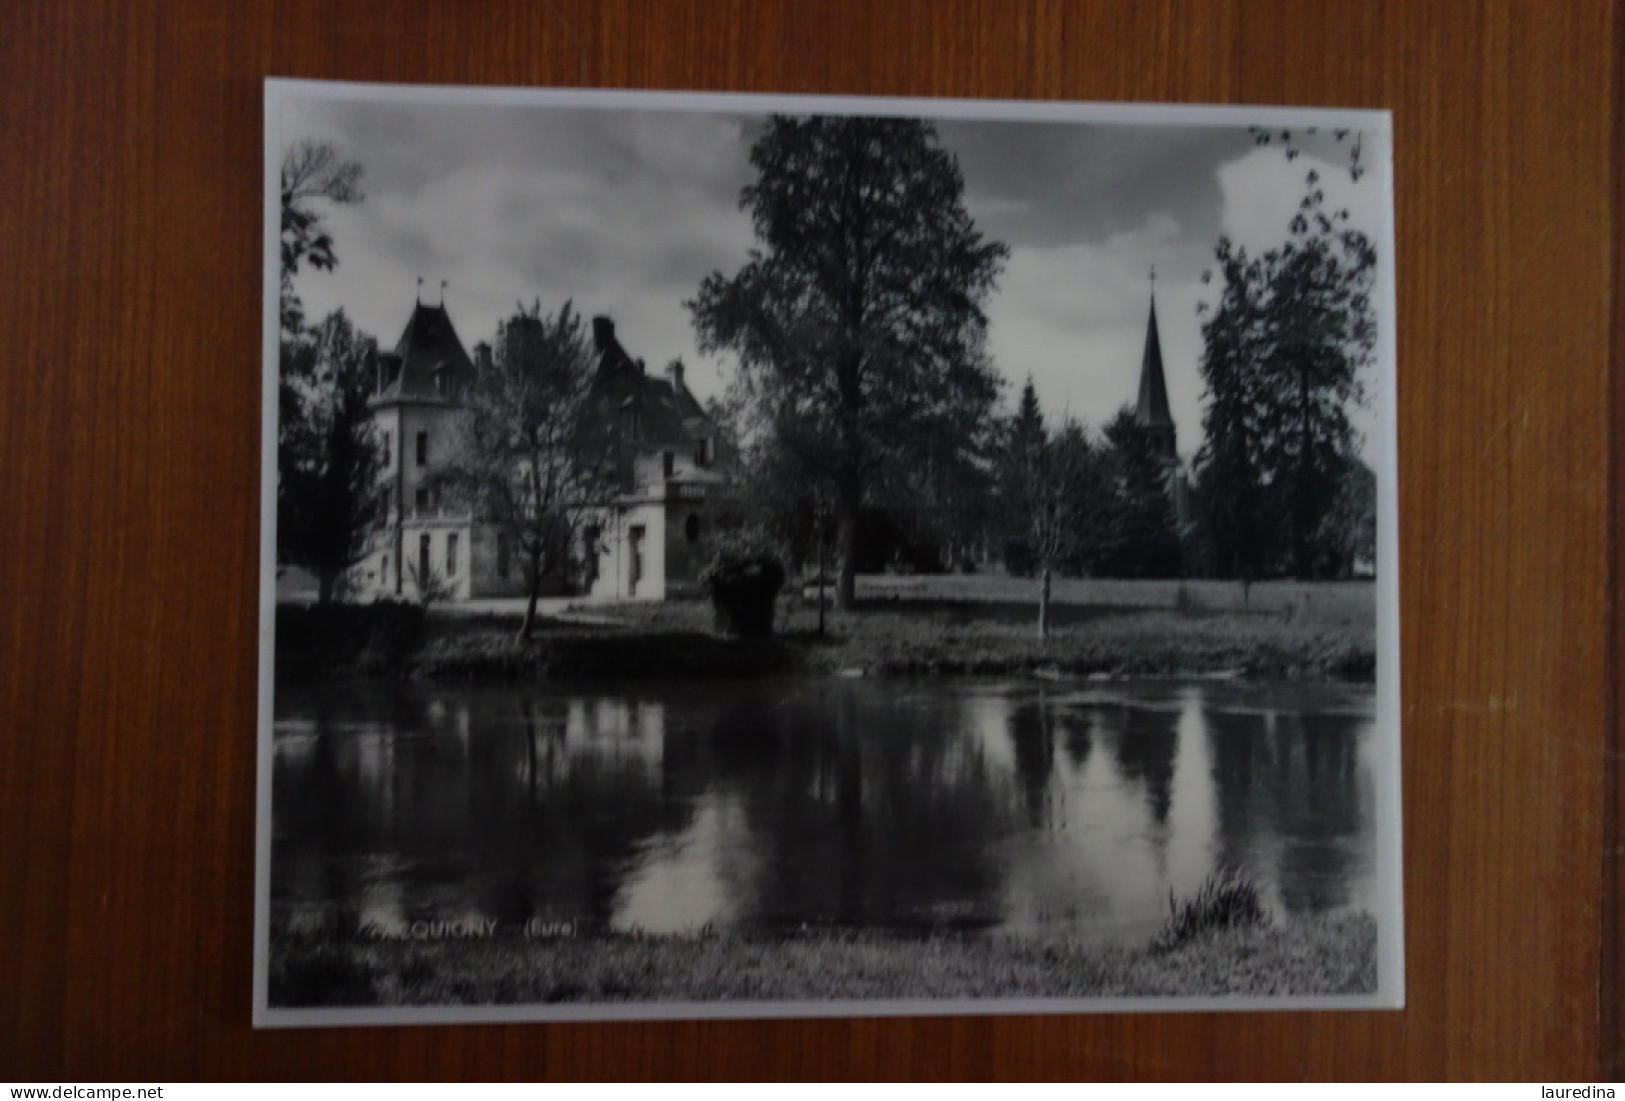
(1227, 899)
(987, 626)
(904, 626)
(1323, 955)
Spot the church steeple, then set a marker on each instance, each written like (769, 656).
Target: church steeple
(1151, 412)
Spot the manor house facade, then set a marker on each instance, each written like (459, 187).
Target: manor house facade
(650, 540)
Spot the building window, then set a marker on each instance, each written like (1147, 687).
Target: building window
(424, 564)
(386, 449)
(383, 505)
(383, 569)
(451, 554)
(421, 500)
(702, 452)
(423, 449)
(668, 463)
(691, 528)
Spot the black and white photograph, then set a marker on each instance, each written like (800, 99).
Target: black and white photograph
(739, 555)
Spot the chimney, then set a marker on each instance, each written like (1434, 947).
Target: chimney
(674, 375)
(603, 332)
(642, 370)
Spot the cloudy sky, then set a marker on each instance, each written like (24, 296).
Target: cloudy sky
(626, 211)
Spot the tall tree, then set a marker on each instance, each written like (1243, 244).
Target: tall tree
(858, 320)
(1348, 539)
(537, 449)
(1141, 537)
(1024, 435)
(1239, 533)
(328, 456)
(1050, 495)
(312, 172)
(1282, 366)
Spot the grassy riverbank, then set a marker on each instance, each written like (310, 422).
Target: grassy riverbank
(1326, 955)
(902, 627)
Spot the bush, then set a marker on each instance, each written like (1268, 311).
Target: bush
(742, 594)
(1227, 899)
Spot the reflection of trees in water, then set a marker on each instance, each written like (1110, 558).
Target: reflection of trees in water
(564, 817)
(1287, 789)
(867, 809)
(1077, 738)
(474, 802)
(1145, 746)
(334, 799)
(1032, 737)
(310, 833)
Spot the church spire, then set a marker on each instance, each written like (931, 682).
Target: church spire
(1151, 412)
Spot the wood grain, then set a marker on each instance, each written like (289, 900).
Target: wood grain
(129, 444)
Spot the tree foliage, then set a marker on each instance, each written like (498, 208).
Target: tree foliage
(328, 455)
(1140, 536)
(311, 172)
(1050, 493)
(1348, 143)
(765, 505)
(1024, 433)
(537, 450)
(858, 320)
(1282, 364)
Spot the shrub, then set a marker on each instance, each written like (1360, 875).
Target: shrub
(432, 586)
(742, 594)
(1227, 899)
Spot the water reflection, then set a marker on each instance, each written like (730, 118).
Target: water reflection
(1030, 808)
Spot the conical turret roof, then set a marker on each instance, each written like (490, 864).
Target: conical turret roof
(428, 347)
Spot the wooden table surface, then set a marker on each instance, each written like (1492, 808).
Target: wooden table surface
(129, 501)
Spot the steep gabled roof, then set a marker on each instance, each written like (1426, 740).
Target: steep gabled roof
(668, 416)
(428, 347)
(1152, 409)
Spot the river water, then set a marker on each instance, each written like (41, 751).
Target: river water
(1021, 806)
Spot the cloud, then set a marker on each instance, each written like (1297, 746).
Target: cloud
(1066, 183)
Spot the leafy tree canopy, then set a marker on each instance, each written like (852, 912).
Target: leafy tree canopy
(538, 447)
(1284, 350)
(858, 320)
(311, 171)
(328, 456)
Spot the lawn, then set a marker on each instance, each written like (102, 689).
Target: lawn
(1333, 954)
(903, 626)
(987, 625)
